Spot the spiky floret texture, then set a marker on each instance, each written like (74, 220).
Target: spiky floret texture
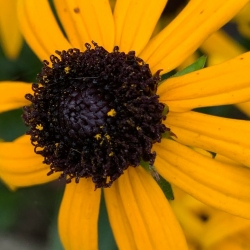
(95, 113)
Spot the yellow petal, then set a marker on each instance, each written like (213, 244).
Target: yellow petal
(189, 29)
(12, 95)
(226, 160)
(68, 24)
(11, 39)
(226, 83)
(223, 186)
(40, 29)
(244, 107)
(20, 166)
(135, 21)
(225, 49)
(117, 216)
(78, 216)
(242, 20)
(147, 213)
(236, 242)
(190, 212)
(220, 227)
(86, 21)
(228, 137)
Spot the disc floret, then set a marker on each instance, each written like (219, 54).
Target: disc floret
(95, 113)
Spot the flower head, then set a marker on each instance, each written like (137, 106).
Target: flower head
(95, 113)
(77, 140)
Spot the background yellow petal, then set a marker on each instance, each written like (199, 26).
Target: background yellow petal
(78, 216)
(220, 227)
(228, 137)
(240, 241)
(135, 21)
(12, 95)
(148, 213)
(86, 21)
(10, 35)
(220, 47)
(191, 213)
(225, 83)
(217, 184)
(40, 29)
(20, 166)
(189, 29)
(242, 21)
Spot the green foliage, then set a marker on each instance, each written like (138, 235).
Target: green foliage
(164, 185)
(199, 64)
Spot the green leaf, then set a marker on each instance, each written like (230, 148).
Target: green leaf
(166, 188)
(106, 239)
(199, 64)
(165, 110)
(164, 185)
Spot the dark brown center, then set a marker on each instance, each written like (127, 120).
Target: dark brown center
(95, 113)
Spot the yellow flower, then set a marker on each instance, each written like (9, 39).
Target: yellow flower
(226, 48)
(207, 228)
(242, 20)
(140, 216)
(10, 35)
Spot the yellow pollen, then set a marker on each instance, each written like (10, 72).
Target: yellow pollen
(45, 79)
(111, 153)
(108, 179)
(112, 112)
(67, 69)
(107, 136)
(98, 136)
(39, 127)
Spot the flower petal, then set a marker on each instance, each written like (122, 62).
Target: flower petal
(117, 216)
(9, 30)
(78, 216)
(20, 166)
(40, 29)
(189, 29)
(135, 21)
(220, 227)
(228, 137)
(86, 21)
(217, 184)
(225, 83)
(191, 214)
(244, 107)
(225, 49)
(147, 213)
(12, 95)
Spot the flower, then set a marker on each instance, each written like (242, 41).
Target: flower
(242, 21)
(139, 214)
(9, 30)
(226, 48)
(209, 228)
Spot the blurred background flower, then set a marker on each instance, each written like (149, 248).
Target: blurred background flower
(10, 35)
(207, 228)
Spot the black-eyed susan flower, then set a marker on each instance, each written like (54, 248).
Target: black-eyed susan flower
(97, 111)
(10, 35)
(207, 228)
